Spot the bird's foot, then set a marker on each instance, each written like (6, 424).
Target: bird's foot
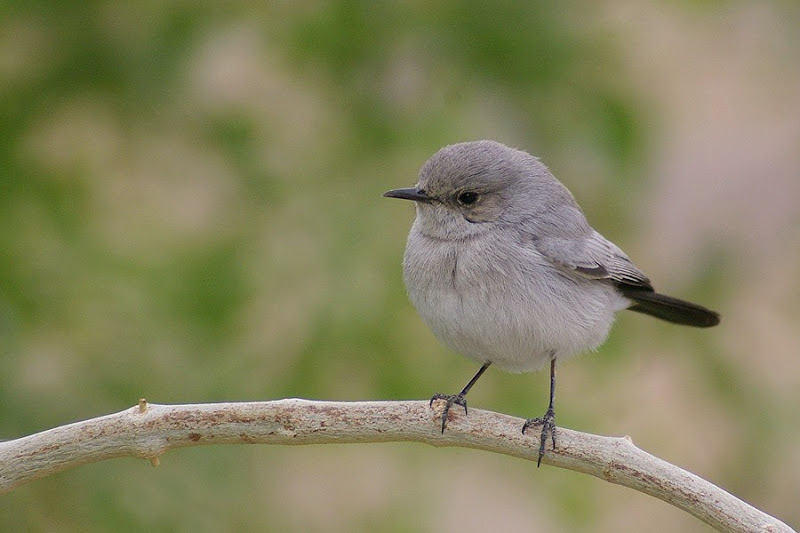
(450, 400)
(548, 423)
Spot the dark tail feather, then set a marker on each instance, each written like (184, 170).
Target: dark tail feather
(669, 308)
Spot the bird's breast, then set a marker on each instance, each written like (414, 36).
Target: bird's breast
(503, 302)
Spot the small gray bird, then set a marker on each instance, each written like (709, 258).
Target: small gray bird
(504, 268)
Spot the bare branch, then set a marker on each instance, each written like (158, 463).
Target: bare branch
(149, 430)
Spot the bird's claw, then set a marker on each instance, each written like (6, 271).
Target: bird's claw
(450, 400)
(548, 423)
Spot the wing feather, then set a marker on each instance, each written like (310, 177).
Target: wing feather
(592, 256)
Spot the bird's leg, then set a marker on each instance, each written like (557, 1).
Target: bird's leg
(457, 399)
(548, 421)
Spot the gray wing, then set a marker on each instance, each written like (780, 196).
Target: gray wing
(593, 257)
(566, 239)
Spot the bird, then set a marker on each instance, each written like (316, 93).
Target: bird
(503, 267)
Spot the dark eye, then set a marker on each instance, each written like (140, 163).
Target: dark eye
(467, 198)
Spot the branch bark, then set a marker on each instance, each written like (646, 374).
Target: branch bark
(149, 430)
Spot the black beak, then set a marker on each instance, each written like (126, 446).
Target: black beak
(413, 193)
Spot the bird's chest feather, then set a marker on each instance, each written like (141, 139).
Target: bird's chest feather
(467, 278)
(478, 304)
(502, 304)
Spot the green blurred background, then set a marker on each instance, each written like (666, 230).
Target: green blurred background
(191, 211)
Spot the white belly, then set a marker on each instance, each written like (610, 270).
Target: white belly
(518, 315)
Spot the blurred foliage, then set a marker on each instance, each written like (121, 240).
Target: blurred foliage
(190, 211)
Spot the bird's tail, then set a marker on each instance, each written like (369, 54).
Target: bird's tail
(668, 308)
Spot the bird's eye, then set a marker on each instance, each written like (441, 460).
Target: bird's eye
(467, 198)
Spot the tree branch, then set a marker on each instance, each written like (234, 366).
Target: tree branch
(149, 430)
